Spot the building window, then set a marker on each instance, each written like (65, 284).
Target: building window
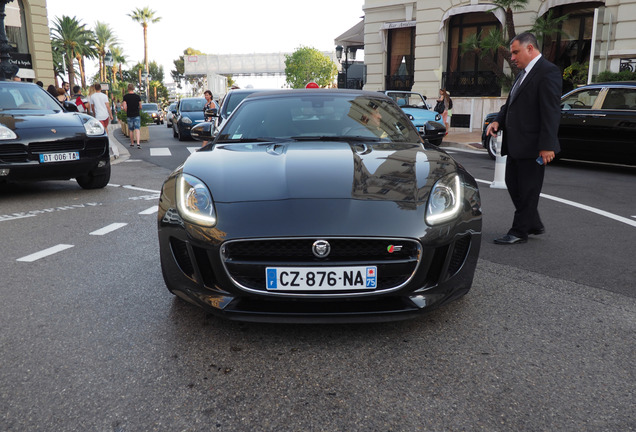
(401, 59)
(468, 74)
(574, 43)
(15, 26)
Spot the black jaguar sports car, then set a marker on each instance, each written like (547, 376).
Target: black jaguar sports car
(41, 139)
(318, 206)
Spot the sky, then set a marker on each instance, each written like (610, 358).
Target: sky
(216, 27)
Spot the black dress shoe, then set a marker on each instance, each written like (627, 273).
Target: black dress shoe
(509, 239)
(537, 231)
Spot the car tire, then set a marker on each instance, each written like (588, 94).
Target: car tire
(181, 137)
(174, 133)
(90, 181)
(490, 144)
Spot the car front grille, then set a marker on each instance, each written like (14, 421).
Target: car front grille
(13, 153)
(16, 153)
(56, 146)
(246, 261)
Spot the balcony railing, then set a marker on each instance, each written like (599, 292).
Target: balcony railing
(471, 83)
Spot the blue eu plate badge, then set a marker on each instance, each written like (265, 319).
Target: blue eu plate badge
(371, 277)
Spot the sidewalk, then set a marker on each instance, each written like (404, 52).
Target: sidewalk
(118, 153)
(464, 138)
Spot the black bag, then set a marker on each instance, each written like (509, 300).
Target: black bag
(439, 107)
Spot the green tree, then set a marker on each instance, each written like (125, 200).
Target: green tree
(67, 35)
(308, 64)
(144, 16)
(105, 40)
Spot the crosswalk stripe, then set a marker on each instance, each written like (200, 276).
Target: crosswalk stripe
(44, 253)
(193, 149)
(160, 151)
(151, 210)
(108, 228)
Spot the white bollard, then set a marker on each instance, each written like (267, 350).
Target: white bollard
(500, 166)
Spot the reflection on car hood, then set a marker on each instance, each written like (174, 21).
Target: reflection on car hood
(16, 120)
(319, 170)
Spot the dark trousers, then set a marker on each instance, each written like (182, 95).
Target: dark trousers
(524, 179)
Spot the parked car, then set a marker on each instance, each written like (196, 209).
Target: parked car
(169, 114)
(189, 112)
(154, 111)
(231, 101)
(598, 124)
(429, 123)
(41, 139)
(318, 206)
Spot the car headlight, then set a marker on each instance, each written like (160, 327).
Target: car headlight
(6, 133)
(444, 202)
(186, 120)
(93, 126)
(194, 201)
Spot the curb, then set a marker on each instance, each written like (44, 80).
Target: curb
(118, 153)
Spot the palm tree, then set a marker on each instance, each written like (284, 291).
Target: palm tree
(144, 17)
(508, 6)
(85, 50)
(105, 40)
(67, 35)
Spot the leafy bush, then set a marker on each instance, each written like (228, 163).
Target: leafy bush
(576, 73)
(608, 76)
(145, 120)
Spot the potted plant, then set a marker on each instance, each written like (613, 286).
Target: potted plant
(144, 133)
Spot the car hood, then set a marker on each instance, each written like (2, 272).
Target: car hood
(420, 114)
(45, 119)
(319, 170)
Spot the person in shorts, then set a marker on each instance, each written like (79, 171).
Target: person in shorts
(101, 107)
(132, 105)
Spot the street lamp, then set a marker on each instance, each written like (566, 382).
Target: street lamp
(108, 62)
(348, 52)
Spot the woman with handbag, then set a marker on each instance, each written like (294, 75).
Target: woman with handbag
(442, 107)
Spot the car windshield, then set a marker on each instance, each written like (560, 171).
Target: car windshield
(16, 96)
(235, 99)
(150, 107)
(318, 117)
(408, 100)
(192, 105)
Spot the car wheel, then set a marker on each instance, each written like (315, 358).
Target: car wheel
(174, 132)
(90, 181)
(491, 145)
(161, 121)
(181, 137)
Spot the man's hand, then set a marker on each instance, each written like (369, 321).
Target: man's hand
(492, 129)
(547, 155)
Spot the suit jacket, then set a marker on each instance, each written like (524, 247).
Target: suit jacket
(530, 120)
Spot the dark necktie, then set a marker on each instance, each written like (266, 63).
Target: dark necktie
(517, 84)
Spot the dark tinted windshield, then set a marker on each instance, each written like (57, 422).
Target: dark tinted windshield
(192, 104)
(319, 116)
(150, 107)
(16, 96)
(234, 99)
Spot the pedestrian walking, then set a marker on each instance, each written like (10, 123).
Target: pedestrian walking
(210, 104)
(79, 99)
(132, 105)
(530, 123)
(443, 106)
(100, 105)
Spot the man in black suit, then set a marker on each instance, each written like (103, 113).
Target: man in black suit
(530, 121)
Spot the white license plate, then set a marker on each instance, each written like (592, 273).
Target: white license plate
(321, 278)
(59, 157)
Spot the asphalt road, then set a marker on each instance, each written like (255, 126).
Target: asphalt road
(92, 340)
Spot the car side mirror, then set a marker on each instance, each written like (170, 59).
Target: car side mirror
(213, 112)
(202, 131)
(70, 106)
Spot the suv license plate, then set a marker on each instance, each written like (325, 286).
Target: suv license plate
(59, 157)
(321, 278)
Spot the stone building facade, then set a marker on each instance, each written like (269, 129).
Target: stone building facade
(27, 28)
(416, 45)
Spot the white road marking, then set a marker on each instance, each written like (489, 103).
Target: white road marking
(151, 210)
(109, 228)
(193, 149)
(160, 151)
(142, 189)
(44, 253)
(583, 207)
